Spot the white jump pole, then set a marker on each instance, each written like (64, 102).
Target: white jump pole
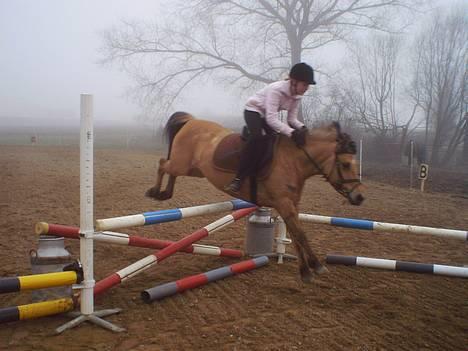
(87, 312)
(86, 202)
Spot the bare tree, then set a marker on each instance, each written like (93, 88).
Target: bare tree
(372, 92)
(241, 42)
(333, 105)
(440, 80)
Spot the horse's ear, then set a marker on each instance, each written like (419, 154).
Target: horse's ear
(337, 127)
(345, 145)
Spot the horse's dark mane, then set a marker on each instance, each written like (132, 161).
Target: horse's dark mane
(333, 132)
(326, 131)
(345, 145)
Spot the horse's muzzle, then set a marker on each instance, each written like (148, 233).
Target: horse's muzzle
(355, 198)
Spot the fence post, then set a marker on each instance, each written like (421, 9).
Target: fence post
(360, 160)
(411, 156)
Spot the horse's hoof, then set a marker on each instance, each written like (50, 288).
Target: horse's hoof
(321, 270)
(158, 195)
(164, 195)
(149, 193)
(306, 276)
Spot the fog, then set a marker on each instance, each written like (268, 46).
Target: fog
(49, 56)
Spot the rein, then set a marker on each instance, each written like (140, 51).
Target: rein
(339, 185)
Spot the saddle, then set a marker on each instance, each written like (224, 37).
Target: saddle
(226, 157)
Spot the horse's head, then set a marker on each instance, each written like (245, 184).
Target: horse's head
(340, 167)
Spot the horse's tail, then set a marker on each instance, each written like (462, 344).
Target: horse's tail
(173, 125)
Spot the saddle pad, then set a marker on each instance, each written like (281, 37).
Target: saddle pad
(226, 157)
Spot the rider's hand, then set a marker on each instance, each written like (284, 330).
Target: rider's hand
(299, 136)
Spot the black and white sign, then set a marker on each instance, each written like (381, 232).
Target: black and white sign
(423, 171)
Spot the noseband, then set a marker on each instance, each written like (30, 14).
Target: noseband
(338, 185)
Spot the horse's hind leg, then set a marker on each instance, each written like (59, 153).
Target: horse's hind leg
(155, 192)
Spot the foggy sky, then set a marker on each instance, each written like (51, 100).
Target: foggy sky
(49, 54)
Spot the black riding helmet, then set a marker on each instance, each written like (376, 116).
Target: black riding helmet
(303, 72)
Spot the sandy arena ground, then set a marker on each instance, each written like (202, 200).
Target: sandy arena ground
(351, 308)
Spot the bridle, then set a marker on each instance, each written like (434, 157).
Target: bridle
(341, 181)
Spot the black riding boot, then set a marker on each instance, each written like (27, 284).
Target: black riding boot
(252, 152)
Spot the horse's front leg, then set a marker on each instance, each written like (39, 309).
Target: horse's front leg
(306, 256)
(155, 192)
(312, 259)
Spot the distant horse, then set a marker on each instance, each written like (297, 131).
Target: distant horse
(327, 152)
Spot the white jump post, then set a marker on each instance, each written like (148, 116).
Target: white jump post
(360, 160)
(282, 240)
(87, 202)
(87, 312)
(411, 156)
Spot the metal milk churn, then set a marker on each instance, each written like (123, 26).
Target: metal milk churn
(50, 256)
(260, 232)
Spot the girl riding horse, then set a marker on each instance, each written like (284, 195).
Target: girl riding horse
(326, 151)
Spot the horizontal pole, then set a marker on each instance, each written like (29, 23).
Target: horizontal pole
(163, 216)
(161, 291)
(383, 227)
(145, 263)
(394, 265)
(43, 228)
(38, 281)
(36, 310)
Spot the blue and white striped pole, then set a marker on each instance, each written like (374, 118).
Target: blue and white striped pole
(175, 214)
(383, 227)
(394, 265)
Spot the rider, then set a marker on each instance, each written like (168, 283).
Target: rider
(261, 116)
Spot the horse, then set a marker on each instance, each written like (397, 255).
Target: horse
(327, 152)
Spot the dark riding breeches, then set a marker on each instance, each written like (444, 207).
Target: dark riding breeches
(256, 146)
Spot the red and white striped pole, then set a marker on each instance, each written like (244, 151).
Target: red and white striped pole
(43, 228)
(145, 263)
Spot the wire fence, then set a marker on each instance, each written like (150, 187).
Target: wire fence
(130, 138)
(388, 163)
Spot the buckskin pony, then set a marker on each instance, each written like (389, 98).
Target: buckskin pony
(327, 152)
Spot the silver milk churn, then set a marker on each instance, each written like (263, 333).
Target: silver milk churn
(260, 232)
(50, 256)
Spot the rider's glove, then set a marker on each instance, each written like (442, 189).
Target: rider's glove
(299, 136)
